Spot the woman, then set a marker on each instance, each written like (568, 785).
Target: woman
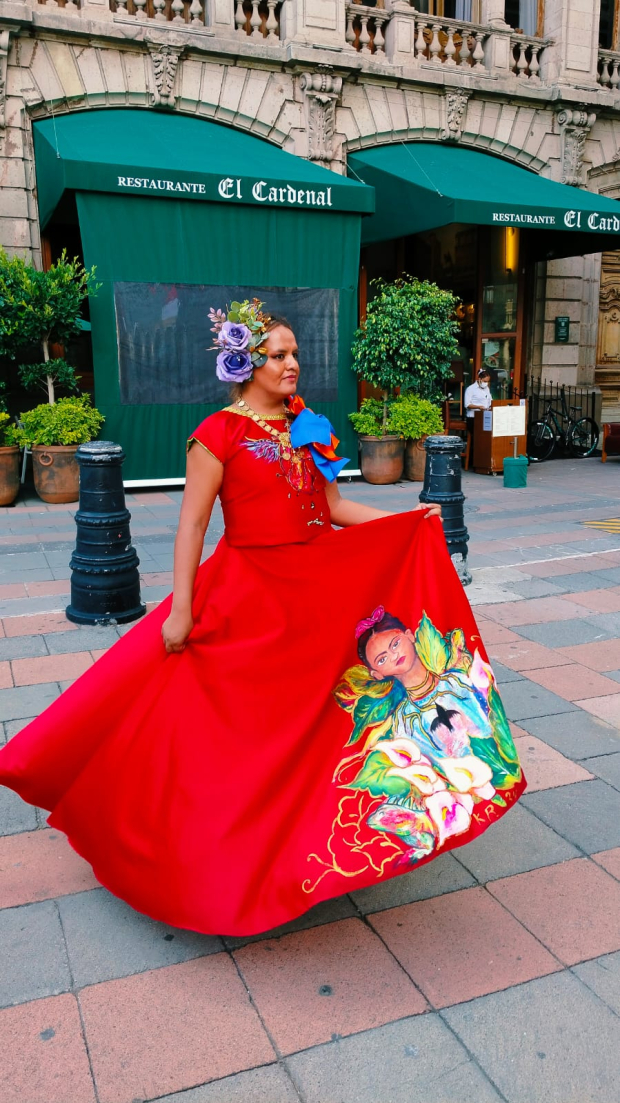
(200, 776)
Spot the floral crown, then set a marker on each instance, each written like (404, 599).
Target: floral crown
(240, 333)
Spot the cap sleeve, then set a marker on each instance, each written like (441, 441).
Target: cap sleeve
(212, 435)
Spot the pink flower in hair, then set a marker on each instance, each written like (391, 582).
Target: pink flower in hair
(369, 622)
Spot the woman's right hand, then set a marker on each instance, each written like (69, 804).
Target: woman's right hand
(175, 630)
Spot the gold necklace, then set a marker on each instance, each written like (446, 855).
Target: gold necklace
(284, 439)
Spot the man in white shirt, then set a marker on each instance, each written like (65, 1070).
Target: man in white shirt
(477, 397)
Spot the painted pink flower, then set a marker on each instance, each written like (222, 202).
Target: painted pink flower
(450, 812)
(481, 674)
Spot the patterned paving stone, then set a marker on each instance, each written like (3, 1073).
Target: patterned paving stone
(108, 939)
(602, 655)
(609, 860)
(15, 814)
(517, 842)
(607, 767)
(269, 1084)
(526, 699)
(170, 1029)
(555, 633)
(50, 668)
(34, 962)
(603, 977)
(85, 639)
(524, 655)
(598, 601)
(503, 674)
(606, 622)
(26, 700)
(585, 580)
(534, 611)
(328, 911)
(337, 979)
(542, 1042)
(40, 622)
(462, 945)
(40, 865)
(493, 633)
(572, 908)
(574, 682)
(577, 735)
(586, 813)
(444, 874)
(43, 1058)
(544, 767)
(22, 647)
(414, 1061)
(606, 708)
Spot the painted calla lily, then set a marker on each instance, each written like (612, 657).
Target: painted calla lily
(413, 766)
(466, 773)
(481, 674)
(450, 812)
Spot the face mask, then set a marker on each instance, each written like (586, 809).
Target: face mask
(485, 386)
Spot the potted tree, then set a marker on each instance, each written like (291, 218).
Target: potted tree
(54, 431)
(41, 310)
(415, 419)
(381, 447)
(9, 460)
(408, 340)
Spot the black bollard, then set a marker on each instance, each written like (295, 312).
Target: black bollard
(442, 483)
(105, 584)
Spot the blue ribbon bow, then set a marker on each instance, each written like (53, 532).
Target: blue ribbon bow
(309, 429)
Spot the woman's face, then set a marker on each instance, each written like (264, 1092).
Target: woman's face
(391, 654)
(279, 375)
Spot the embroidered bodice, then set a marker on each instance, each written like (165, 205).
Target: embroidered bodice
(270, 492)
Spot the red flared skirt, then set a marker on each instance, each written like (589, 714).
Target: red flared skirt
(207, 788)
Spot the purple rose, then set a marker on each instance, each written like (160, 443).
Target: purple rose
(234, 336)
(234, 367)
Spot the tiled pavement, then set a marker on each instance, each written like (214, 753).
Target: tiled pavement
(492, 974)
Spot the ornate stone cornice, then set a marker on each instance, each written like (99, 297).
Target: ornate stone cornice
(164, 60)
(321, 90)
(575, 125)
(455, 105)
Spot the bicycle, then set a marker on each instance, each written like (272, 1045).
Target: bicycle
(580, 436)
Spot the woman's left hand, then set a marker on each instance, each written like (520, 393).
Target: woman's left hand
(433, 509)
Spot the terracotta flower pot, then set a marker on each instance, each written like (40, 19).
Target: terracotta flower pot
(382, 459)
(9, 474)
(415, 460)
(56, 472)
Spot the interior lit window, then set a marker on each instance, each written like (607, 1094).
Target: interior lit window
(468, 10)
(608, 25)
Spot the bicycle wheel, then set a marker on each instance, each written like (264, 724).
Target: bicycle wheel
(583, 437)
(540, 441)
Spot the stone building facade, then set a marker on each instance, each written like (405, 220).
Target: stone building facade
(326, 78)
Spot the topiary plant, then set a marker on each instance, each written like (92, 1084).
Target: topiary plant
(68, 421)
(413, 417)
(42, 308)
(408, 338)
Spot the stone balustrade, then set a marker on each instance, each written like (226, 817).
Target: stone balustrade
(526, 53)
(608, 69)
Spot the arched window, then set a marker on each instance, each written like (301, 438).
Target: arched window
(525, 15)
(608, 24)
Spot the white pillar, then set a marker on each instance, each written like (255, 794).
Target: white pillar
(314, 22)
(573, 58)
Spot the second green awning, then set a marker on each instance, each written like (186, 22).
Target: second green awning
(423, 185)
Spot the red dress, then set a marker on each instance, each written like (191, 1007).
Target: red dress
(268, 766)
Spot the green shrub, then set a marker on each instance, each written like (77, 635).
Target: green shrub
(413, 417)
(368, 420)
(8, 431)
(68, 421)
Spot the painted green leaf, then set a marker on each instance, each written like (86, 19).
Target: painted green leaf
(374, 777)
(431, 646)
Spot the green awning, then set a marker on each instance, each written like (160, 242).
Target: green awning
(423, 185)
(131, 152)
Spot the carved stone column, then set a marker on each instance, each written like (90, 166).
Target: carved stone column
(321, 91)
(164, 59)
(455, 107)
(575, 124)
